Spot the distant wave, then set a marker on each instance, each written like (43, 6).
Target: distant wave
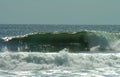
(54, 41)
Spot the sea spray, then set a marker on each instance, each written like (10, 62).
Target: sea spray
(63, 60)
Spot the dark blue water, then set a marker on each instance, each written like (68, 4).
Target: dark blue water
(20, 29)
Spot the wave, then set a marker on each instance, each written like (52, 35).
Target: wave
(86, 41)
(63, 60)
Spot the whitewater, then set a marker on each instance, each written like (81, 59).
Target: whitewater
(59, 50)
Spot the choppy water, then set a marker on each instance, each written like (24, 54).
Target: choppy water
(22, 54)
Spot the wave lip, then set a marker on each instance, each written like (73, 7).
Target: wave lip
(52, 42)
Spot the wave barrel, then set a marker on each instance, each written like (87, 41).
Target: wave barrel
(49, 42)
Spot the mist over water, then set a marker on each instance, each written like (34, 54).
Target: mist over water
(77, 51)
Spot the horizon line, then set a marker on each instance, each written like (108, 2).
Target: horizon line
(59, 24)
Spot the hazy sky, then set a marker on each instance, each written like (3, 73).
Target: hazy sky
(59, 11)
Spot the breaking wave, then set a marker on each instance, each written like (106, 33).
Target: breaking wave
(26, 61)
(83, 41)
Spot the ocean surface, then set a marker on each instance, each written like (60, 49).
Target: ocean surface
(32, 50)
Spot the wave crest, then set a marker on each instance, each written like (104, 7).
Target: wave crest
(53, 42)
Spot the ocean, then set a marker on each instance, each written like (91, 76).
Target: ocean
(33, 50)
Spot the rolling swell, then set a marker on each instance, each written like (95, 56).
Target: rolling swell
(56, 41)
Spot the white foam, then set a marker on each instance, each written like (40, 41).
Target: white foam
(32, 61)
(59, 64)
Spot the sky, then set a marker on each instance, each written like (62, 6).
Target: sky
(60, 12)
